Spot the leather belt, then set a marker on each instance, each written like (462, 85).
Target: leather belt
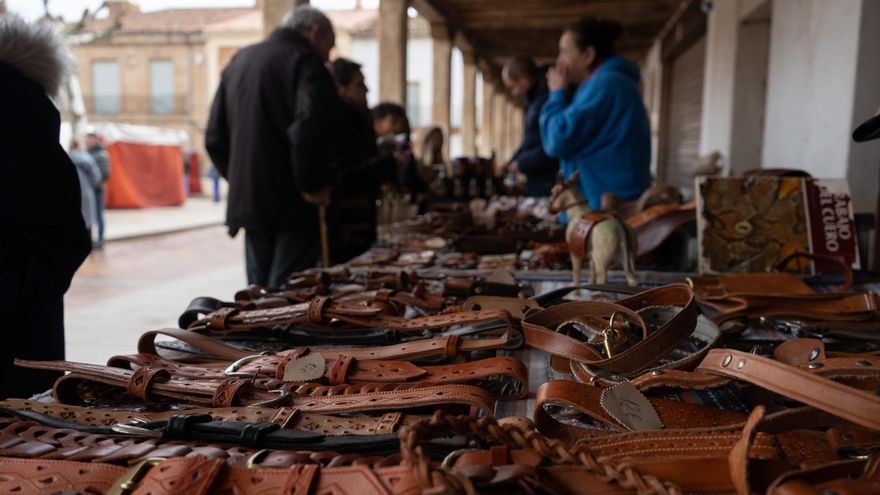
(36, 435)
(539, 329)
(265, 392)
(846, 402)
(339, 366)
(322, 310)
(449, 347)
(198, 475)
(284, 417)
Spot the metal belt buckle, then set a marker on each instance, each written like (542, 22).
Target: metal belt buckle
(612, 336)
(255, 460)
(232, 369)
(129, 481)
(282, 396)
(453, 456)
(133, 429)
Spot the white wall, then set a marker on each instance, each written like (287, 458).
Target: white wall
(365, 51)
(811, 77)
(420, 68)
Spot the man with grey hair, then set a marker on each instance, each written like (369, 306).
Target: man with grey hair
(273, 134)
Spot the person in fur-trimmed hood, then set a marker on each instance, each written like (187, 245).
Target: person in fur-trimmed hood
(43, 238)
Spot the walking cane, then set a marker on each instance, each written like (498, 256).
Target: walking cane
(325, 247)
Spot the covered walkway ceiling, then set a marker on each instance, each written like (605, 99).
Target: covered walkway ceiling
(497, 29)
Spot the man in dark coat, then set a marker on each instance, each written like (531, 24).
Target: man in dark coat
(272, 134)
(524, 80)
(44, 238)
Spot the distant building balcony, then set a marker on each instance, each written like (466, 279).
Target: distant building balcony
(137, 104)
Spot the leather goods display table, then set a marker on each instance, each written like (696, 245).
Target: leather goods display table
(461, 381)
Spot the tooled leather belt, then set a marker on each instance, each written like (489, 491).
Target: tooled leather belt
(145, 383)
(284, 417)
(199, 475)
(322, 310)
(338, 366)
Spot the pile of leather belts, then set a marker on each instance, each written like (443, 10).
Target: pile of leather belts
(388, 382)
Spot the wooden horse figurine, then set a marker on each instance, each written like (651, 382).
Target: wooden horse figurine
(601, 236)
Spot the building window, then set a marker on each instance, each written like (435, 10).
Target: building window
(105, 86)
(161, 86)
(412, 103)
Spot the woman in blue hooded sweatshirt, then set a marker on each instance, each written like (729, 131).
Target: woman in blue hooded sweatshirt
(603, 131)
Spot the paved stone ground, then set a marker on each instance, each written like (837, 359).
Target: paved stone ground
(144, 283)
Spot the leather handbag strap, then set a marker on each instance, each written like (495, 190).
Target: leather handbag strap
(846, 402)
(539, 329)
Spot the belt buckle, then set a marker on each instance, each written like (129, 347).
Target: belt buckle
(232, 369)
(282, 396)
(130, 481)
(133, 429)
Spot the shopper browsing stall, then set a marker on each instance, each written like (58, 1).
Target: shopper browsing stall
(603, 130)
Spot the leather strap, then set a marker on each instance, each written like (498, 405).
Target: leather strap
(284, 417)
(304, 396)
(581, 229)
(321, 310)
(337, 370)
(409, 350)
(198, 475)
(586, 400)
(538, 329)
(846, 402)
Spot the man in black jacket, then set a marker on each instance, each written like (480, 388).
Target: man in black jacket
(273, 135)
(524, 80)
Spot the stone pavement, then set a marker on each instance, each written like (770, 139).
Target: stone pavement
(145, 283)
(197, 211)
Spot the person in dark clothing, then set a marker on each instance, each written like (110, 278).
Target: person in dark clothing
(352, 213)
(526, 81)
(392, 126)
(44, 237)
(99, 153)
(274, 134)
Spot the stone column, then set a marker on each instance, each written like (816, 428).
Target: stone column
(274, 10)
(469, 105)
(442, 46)
(392, 50)
(499, 134)
(487, 133)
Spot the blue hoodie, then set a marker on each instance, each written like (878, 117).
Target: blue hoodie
(603, 132)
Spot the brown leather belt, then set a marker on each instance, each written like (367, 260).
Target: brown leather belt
(198, 475)
(284, 417)
(346, 370)
(448, 347)
(265, 392)
(321, 310)
(540, 327)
